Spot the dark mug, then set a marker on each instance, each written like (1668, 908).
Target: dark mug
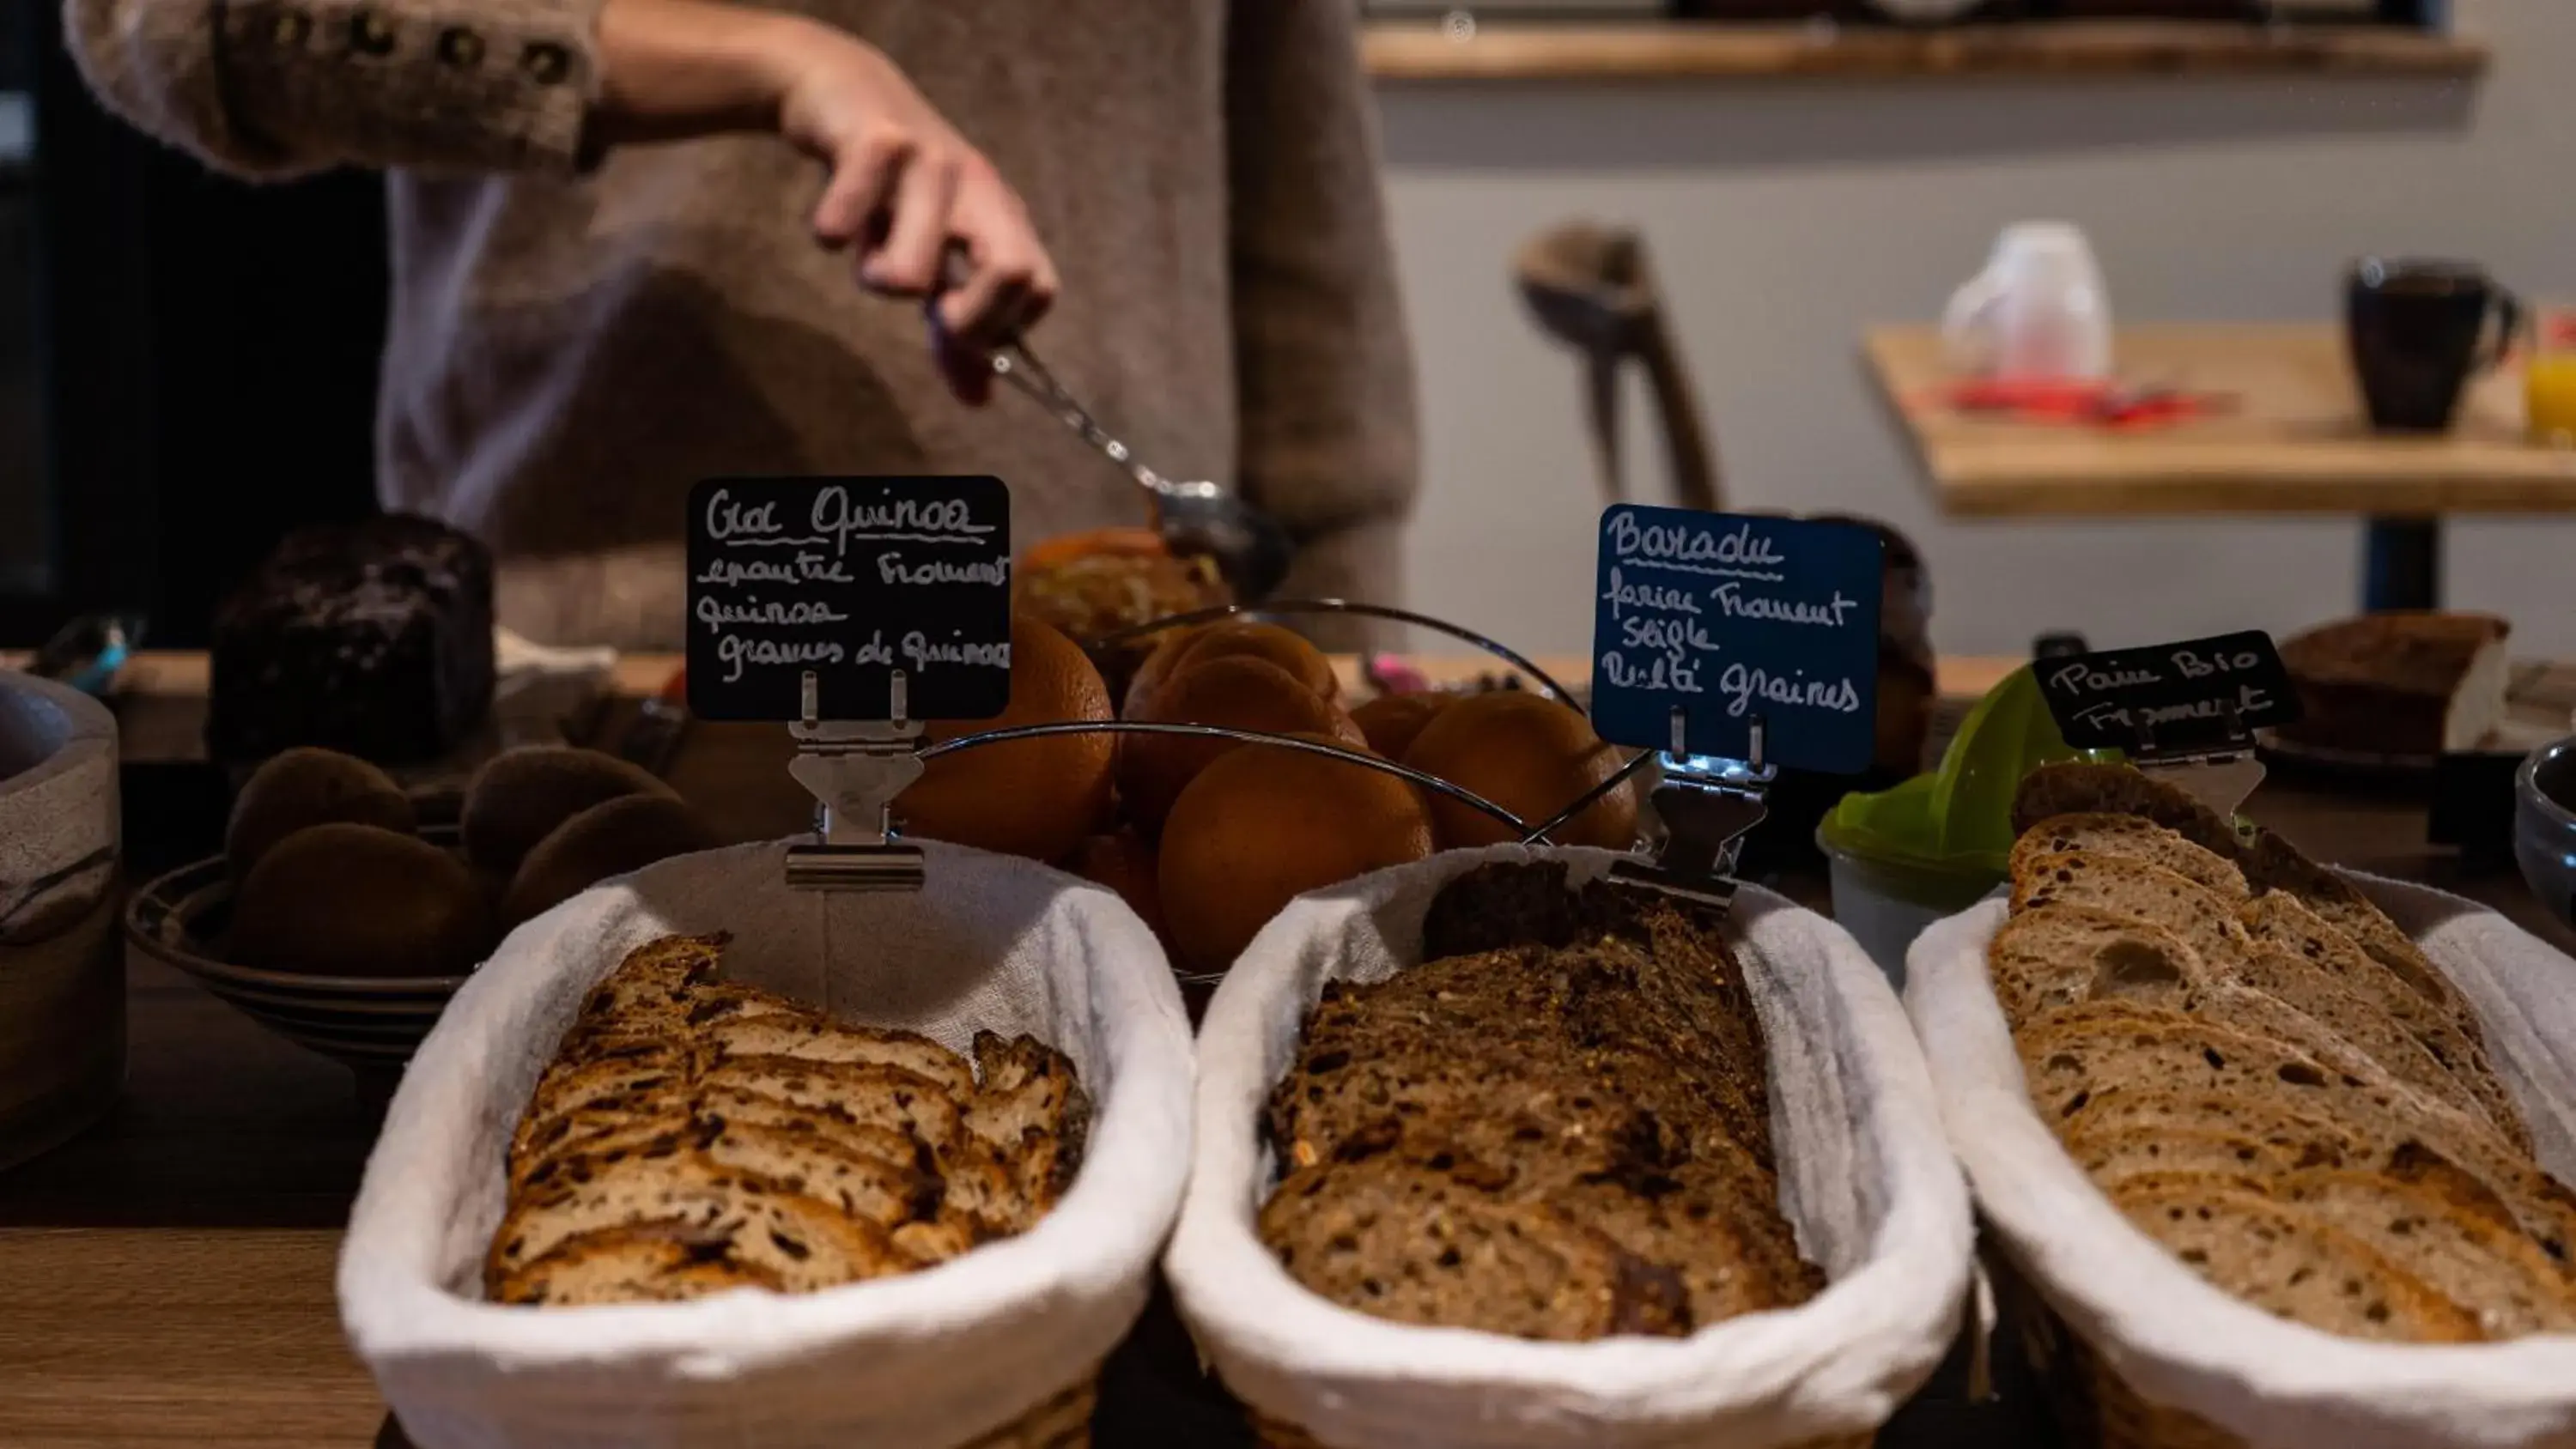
(2419, 331)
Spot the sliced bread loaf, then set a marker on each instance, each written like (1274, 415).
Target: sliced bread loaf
(2057, 955)
(2289, 1264)
(2271, 864)
(2134, 837)
(2443, 1021)
(632, 1265)
(2139, 892)
(2323, 999)
(814, 1040)
(2076, 788)
(2448, 1239)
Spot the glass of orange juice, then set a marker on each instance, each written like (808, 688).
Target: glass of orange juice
(2549, 379)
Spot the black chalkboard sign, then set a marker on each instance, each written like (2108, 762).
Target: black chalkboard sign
(852, 579)
(2202, 694)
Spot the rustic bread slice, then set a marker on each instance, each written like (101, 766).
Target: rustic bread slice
(2444, 1023)
(2136, 838)
(569, 1087)
(633, 1265)
(2138, 891)
(2288, 1263)
(655, 1134)
(2113, 1157)
(2451, 1242)
(2271, 864)
(822, 1041)
(2287, 1131)
(2076, 788)
(1404, 1243)
(2350, 1016)
(2059, 955)
(808, 1246)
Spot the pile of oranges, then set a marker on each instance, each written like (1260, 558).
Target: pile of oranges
(1208, 839)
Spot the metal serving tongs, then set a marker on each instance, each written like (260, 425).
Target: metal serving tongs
(1195, 519)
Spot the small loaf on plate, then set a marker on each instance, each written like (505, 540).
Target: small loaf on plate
(2266, 1076)
(1556, 1128)
(694, 1137)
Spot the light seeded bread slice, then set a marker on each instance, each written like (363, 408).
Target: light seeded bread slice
(1407, 1244)
(633, 1265)
(808, 1246)
(2132, 837)
(551, 1135)
(573, 1086)
(2120, 1155)
(2451, 1243)
(2074, 788)
(1031, 1112)
(679, 1191)
(888, 1193)
(2139, 892)
(2152, 1111)
(860, 1094)
(653, 1134)
(653, 986)
(2445, 1024)
(2354, 1018)
(2059, 955)
(2288, 1263)
(818, 1041)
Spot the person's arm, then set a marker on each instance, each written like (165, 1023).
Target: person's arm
(1324, 363)
(279, 88)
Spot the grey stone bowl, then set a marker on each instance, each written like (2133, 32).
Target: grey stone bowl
(2544, 826)
(62, 966)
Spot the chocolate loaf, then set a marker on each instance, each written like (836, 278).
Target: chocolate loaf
(373, 638)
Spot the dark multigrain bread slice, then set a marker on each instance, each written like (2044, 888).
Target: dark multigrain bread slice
(815, 1040)
(2290, 1264)
(1500, 907)
(2074, 788)
(1405, 1243)
(2136, 838)
(633, 1265)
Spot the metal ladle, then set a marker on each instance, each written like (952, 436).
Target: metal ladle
(1194, 519)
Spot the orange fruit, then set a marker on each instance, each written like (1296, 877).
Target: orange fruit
(1391, 721)
(1241, 693)
(1125, 863)
(1094, 543)
(1531, 755)
(1265, 825)
(1036, 798)
(1169, 647)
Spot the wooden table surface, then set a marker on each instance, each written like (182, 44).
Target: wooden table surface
(167, 1278)
(2295, 442)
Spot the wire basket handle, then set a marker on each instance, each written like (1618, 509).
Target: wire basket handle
(1466, 797)
(1504, 652)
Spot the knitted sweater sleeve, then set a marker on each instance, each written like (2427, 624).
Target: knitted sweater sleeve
(280, 88)
(1324, 364)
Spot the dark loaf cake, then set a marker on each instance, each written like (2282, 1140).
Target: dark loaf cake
(374, 639)
(1558, 1128)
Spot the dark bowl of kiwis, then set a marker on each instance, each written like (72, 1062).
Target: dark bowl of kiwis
(337, 918)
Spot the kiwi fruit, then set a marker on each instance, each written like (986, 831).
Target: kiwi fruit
(523, 795)
(608, 839)
(305, 787)
(345, 899)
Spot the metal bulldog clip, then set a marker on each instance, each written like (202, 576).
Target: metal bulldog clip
(855, 771)
(1707, 805)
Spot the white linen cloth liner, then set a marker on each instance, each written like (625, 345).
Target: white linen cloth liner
(2183, 1344)
(1864, 1176)
(923, 1361)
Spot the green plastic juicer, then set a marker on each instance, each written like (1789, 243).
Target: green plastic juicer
(1939, 843)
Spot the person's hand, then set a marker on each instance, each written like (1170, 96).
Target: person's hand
(925, 212)
(905, 192)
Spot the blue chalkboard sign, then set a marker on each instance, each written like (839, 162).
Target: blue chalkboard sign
(1729, 618)
(852, 580)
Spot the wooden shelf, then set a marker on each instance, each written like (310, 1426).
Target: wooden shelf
(1675, 50)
